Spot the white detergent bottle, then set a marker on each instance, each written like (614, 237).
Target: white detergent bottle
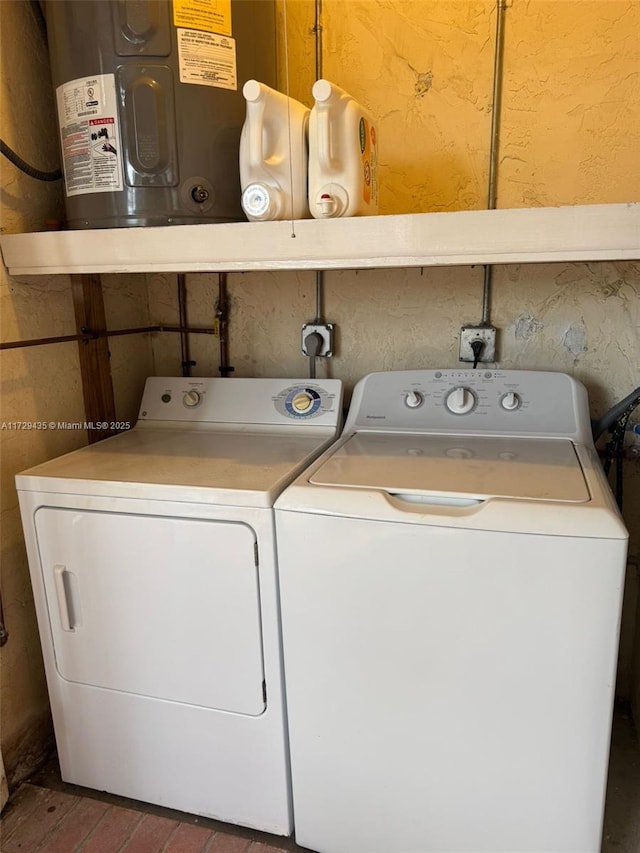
(273, 155)
(342, 155)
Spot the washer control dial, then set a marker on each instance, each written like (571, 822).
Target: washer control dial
(413, 399)
(460, 401)
(192, 398)
(510, 401)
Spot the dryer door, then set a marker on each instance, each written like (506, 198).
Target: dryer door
(162, 607)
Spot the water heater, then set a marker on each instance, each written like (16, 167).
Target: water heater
(150, 105)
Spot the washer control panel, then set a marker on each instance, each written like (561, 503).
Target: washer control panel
(260, 402)
(507, 402)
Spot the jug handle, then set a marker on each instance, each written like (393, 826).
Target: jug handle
(256, 155)
(324, 139)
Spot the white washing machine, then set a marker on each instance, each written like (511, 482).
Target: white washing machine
(451, 576)
(152, 559)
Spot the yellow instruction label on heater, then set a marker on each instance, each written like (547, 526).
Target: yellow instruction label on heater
(212, 16)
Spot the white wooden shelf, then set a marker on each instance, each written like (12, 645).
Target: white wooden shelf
(523, 235)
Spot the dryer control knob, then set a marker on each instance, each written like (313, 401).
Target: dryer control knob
(460, 401)
(511, 401)
(413, 399)
(302, 402)
(192, 398)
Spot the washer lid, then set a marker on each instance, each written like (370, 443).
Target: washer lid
(469, 466)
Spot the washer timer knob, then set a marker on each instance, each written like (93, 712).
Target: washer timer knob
(413, 399)
(192, 398)
(511, 401)
(460, 401)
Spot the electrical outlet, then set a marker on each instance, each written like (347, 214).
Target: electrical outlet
(325, 330)
(486, 334)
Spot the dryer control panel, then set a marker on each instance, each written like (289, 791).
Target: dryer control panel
(495, 402)
(204, 401)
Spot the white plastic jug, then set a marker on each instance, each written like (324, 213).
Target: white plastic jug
(342, 155)
(273, 155)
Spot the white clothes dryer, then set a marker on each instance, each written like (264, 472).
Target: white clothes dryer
(451, 576)
(152, 559)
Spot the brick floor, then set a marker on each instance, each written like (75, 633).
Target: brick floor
(112, 830)
(40, 820)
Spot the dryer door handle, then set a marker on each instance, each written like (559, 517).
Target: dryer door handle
(59, 573)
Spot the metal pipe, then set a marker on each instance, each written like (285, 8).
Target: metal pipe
(37, 342)
(188, 329)
(317, 29)
(182, 321)
(319, 296)
(497, 98)
(92, 336)
(486, 295)
(493, 148)
(222, 315)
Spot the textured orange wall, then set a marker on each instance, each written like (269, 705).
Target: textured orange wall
(571, 106)
(570, 118)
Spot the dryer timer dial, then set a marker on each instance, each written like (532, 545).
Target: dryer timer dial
(192, 398)
(302, 402)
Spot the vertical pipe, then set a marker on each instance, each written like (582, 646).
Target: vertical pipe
(319, 273)
(4, 634)
(319, 296)
(319, 316)
(318, 34)
(317, 28)
(495, 110)
(288, 93)
(493, 148)
(182, 322)
(222, 314)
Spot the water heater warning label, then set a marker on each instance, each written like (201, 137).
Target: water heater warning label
(207, 59)
(90, 135)
(211, 15)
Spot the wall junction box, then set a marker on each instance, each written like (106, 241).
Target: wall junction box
(325, 330)
(486, 334)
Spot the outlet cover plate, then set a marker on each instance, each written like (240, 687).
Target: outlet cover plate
(325, 330)
(486, 334)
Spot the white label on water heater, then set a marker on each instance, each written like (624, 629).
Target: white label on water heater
(207, 59)
(90, 135)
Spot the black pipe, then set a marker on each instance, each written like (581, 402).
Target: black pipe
(222, 316)
(185, 349)
(4, 634)
(25, 167)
